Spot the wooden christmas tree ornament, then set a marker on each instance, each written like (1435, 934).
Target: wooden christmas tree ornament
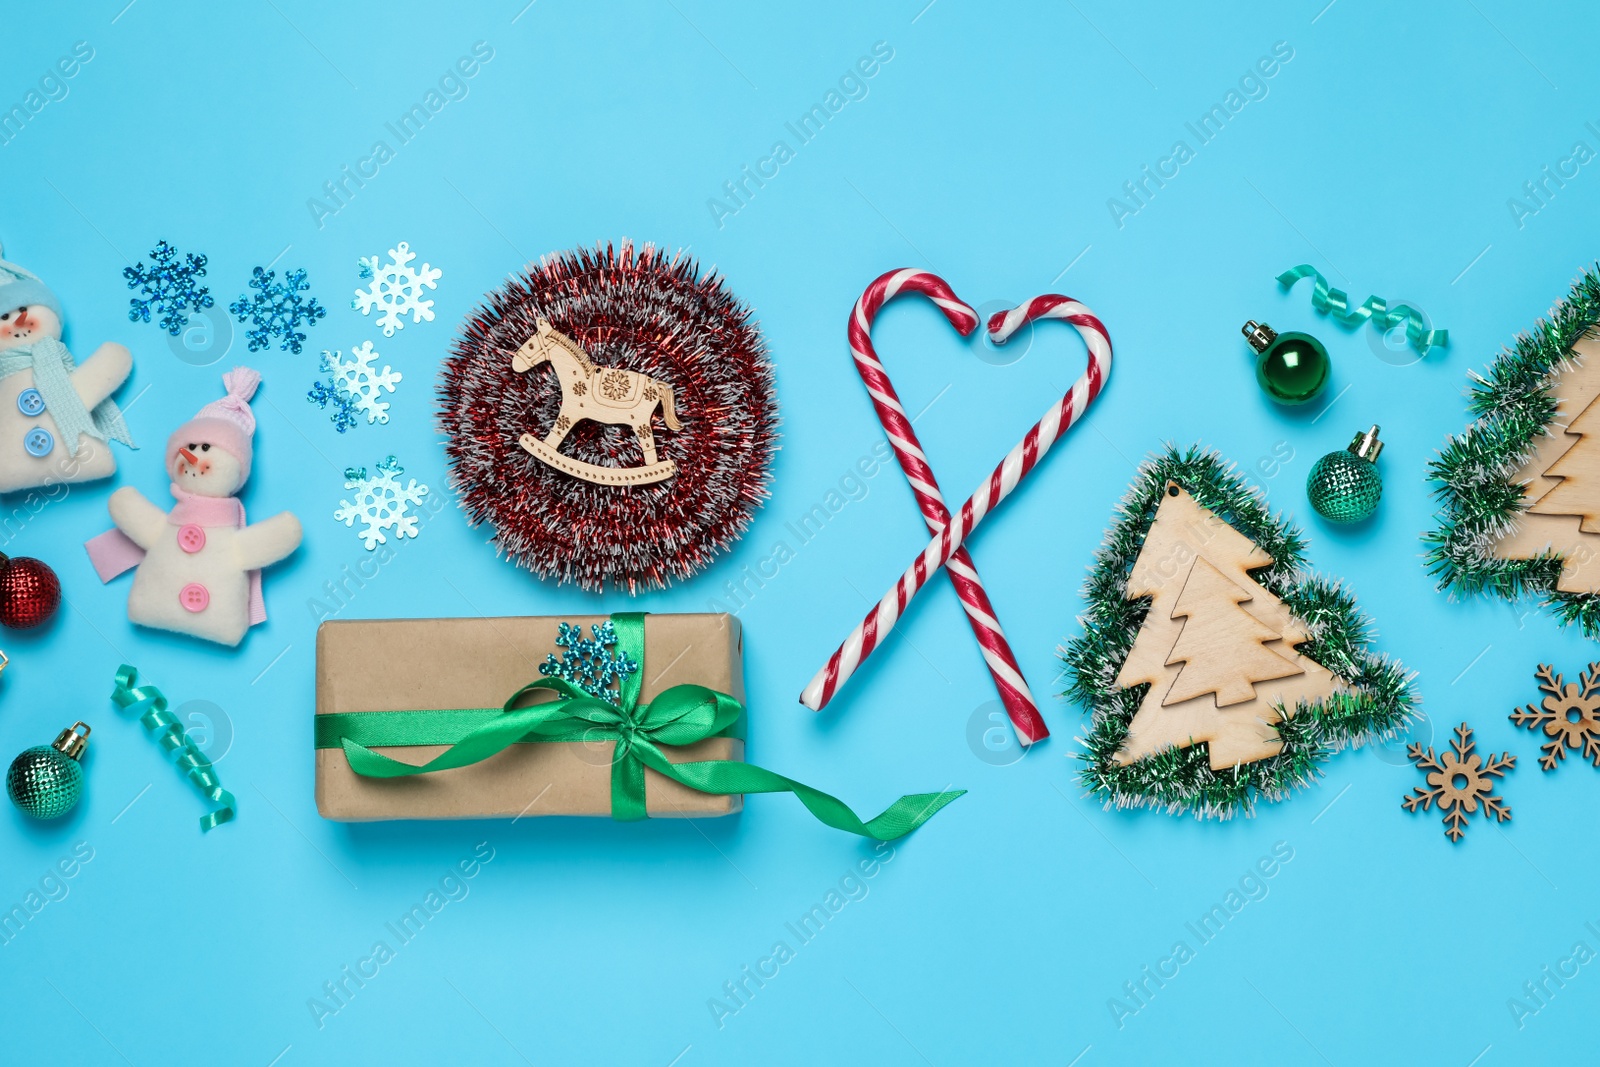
(1207, 686)
(1460, 781)
(1519, 488)
(1217, 649)
(1569, 715)
(1561, 479)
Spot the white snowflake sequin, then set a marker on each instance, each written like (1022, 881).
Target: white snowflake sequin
(396, 289)
(354, 385)
(381, 502)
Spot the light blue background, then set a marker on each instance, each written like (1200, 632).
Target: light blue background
(1384, 153)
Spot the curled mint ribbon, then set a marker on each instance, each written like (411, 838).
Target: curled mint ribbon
(1336, 302)
(680, 715)
(148, 702)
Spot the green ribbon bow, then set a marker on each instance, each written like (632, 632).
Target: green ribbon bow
(1326, 298)
(681, 715)
(150, 704)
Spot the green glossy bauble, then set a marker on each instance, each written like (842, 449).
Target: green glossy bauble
(1293, 369)
(1290, 367)
(45, 782)
(1343, 487)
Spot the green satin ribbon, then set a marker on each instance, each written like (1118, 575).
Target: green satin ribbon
(150, 705)
(681, 715)
(1336, 302)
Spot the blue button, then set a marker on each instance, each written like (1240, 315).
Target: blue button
(39, 441)
(29, 402)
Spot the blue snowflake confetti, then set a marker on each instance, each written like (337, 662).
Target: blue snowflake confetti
(587, 663)
(277, 309)
(328, 392)
(170, 288)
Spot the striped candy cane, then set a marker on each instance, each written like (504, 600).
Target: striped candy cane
(997, 654)
(1023, 458)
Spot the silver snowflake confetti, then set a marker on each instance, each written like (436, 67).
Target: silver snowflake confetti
(169, 287)
(354, 386)
(381, 502)
(277, 309)
(396, 289)
(589, 663)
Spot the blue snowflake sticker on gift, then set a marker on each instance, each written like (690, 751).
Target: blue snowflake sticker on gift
(169, 288)
(277, 309)
(589, 663)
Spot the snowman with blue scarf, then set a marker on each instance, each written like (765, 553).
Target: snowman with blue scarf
(57, 418)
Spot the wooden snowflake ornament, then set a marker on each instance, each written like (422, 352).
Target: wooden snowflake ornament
(1569, 715)
(1460, 781)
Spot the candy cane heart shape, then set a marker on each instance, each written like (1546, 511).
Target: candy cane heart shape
(997, 654)
(871, 631)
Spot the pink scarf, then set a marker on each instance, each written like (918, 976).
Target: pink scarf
(114, 552)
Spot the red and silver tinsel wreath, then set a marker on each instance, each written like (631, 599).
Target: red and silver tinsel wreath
(638, 310)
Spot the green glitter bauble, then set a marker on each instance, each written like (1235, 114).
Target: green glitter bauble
(1293, 369)
(1343, 487)
(44, 782)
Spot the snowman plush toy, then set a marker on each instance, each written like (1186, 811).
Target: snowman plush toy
(57, 419)
(199, 565)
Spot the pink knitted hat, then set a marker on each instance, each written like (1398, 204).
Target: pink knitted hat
(227, 424)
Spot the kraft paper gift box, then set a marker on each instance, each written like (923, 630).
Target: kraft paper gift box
(399, 665)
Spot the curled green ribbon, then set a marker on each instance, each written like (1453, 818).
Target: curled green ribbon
(680, 715)
(1336, 302)
(150, 704)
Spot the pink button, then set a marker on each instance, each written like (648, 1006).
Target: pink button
(191, 538)
(194, 597)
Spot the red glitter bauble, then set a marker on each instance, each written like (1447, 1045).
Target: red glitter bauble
(638, 310)
(30, 592)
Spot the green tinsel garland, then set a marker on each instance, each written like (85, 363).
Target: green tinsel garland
(1378, 705)
(1513, 409)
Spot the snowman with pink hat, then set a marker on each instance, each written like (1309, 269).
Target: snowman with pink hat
(199, 565)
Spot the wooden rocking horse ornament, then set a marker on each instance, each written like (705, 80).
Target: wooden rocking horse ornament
(603, 394)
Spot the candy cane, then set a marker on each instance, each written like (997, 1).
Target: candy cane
(1023, 458)
(997, 654)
